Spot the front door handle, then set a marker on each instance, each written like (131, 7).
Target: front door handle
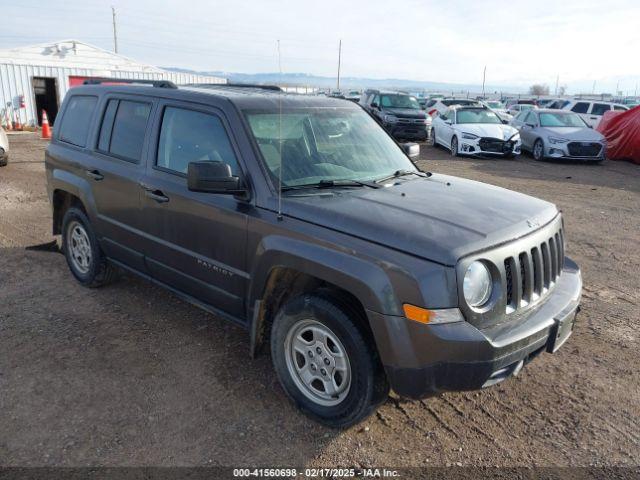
(157, 195)
(154, 193)
(95, 174)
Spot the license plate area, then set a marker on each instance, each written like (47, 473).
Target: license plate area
(560, 332)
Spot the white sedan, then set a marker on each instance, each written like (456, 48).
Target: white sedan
(475, 131)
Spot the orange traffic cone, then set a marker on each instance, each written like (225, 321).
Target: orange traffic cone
(16, 125)
(46, 131)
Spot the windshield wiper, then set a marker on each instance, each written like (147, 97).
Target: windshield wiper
(331, 184)
(400, 173)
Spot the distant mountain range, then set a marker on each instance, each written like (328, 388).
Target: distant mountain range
(307, 80)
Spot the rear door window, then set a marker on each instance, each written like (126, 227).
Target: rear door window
(581, 107)
(123, 129)
(77, 119)
(620, 108)
(600, 108)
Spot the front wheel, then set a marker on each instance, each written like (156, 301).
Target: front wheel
(432, 138)
(454, 147)
(324, 363)
(538, 150)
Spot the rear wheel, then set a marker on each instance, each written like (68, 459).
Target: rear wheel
(84, 257)
(454, 147)
(432, 138)
(323, 361)
(538, 150)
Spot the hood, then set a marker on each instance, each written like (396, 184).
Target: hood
(581, 134)
(439, 218)
(405, 112)
(492, 130)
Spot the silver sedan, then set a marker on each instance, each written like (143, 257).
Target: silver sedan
(558, 134)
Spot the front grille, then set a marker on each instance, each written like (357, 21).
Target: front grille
(584, 149)
(495, 145)
(412, 121)
(530, 274)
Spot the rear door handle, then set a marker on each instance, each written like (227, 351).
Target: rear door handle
(95, 174)
(154, 193)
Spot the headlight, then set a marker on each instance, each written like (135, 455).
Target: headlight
(558, 140)
(470, 136)
(476, 285)
(390, 118)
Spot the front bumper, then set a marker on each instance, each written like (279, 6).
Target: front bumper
(421, 360)
(479, 147)
(417, 131)
(561, 151)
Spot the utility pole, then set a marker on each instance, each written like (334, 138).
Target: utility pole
(115, 33)
(593, 90)
(557, 81)
(484, 77)
(339, 61)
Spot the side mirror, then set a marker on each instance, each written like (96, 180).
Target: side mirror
(374, 105)
(506, 122)
(411, 150)
(448, 122)
(531, 125)
(212, 177)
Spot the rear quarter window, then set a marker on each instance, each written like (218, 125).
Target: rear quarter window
(580, 107)
(74, 128)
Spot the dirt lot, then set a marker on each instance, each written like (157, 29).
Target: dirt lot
(130, 375)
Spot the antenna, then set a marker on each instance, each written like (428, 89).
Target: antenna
(115, 34)
(339, 61)
(280, 137)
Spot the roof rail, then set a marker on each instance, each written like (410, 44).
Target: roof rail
(155, 83)
(274, 88)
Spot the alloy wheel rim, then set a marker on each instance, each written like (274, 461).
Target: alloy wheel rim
(318, 362)
(538, 150)
(79, 247)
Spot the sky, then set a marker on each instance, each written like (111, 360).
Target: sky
(519, 42)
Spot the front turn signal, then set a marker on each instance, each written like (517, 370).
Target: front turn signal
(417, 314)
(432, 317)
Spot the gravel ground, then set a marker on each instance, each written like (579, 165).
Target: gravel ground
(131, 375)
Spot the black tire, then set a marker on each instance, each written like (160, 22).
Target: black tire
(4, 162)
(454, 147)
(368, 386)
(99, 271)
(538, 150)
(432, 138)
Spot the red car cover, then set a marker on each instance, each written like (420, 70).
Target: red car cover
(622, 131)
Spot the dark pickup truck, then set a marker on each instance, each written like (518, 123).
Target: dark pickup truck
(300, 219)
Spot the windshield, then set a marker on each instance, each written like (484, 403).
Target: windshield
(477, 116)
(495, 104)
(561, 120)
(324, 144)
(399, 101)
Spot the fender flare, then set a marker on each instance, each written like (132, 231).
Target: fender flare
(340, 268)
(363, 279)
(77, 186)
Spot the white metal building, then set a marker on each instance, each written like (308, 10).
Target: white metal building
(37, 77)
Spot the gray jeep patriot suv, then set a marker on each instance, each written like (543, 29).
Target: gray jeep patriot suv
(300, 219)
